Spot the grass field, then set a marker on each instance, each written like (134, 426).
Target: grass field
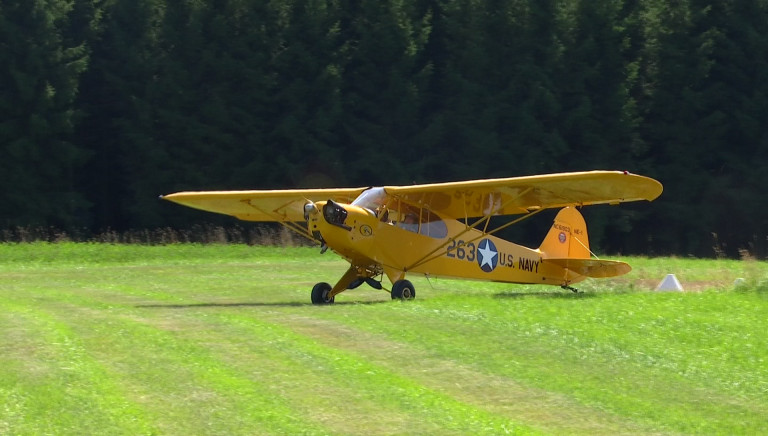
(221, 339)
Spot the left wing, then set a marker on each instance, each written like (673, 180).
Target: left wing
(520, 195)
(274, 205)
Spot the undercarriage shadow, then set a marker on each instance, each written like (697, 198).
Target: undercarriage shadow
(546, 295)
(255, 304)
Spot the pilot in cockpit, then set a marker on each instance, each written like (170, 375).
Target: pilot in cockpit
(410, 222)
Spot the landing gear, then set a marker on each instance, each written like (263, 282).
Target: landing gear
(403, 290)
(570, 288)
(323, 293)
(320, 294)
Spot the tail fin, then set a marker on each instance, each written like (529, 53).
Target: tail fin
(567, 245)
(568, 236)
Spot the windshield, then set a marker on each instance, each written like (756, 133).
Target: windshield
(371, 199)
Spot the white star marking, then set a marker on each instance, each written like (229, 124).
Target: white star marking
(487, 255)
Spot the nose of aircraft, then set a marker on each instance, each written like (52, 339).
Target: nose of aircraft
(310, 209)
(335, 214)
(331, 212)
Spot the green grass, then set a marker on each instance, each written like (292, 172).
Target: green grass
(221, 339)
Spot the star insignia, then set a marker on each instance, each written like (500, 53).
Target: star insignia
(488, 255)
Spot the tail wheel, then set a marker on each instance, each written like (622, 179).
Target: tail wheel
(403, 290)
(320, 294)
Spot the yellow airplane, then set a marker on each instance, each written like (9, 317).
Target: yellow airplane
(441, 229)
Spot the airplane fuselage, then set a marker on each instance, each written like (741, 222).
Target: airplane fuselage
(395, 248)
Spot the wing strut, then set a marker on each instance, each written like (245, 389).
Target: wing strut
(290, 225)
(432, 256)
(486, 219)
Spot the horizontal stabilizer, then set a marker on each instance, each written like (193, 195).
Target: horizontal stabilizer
(595, 268)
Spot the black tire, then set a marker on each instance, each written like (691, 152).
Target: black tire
(320, 294)
(403, 290)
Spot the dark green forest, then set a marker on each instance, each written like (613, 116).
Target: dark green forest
(106, 104)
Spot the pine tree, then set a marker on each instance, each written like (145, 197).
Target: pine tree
(382, 73)
(117, 122)
(43, 60)
(729, 136)
(593, 92)
(304, 134)
(675, 67)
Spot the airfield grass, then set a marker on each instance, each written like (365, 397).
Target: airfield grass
(221, 339)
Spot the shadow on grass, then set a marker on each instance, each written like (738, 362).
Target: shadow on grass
(547, 295)
(272, 304)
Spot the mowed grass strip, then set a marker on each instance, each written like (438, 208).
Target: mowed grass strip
(178, 386)
(468, 381)
(160, 350)
(191, 339)
(637, 365)
(49, 384)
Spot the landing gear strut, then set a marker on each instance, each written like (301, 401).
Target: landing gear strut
(570, 288)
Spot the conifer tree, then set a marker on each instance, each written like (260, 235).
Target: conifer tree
(115, 98)
(676, 65)
(381, 76)
(732, 105)
(304, 139)
(42, 61)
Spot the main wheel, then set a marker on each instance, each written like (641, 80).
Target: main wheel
(403, 290)
(320, 294)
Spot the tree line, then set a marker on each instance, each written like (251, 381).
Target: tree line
(105, 104)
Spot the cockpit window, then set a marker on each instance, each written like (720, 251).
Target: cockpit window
(432, 225)
(405, 216)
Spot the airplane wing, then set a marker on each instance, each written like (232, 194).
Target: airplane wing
(269, 205)
(520, 195)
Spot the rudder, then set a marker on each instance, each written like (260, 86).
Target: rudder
(567, 238)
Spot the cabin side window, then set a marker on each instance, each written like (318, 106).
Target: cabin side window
(405, 216)
(420, 221)
(432, 225)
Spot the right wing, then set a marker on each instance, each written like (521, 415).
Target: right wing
(520, 195)
(285, 205)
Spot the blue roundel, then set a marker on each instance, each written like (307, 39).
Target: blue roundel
(487, 255)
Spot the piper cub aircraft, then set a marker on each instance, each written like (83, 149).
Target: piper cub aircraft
(441, 229)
